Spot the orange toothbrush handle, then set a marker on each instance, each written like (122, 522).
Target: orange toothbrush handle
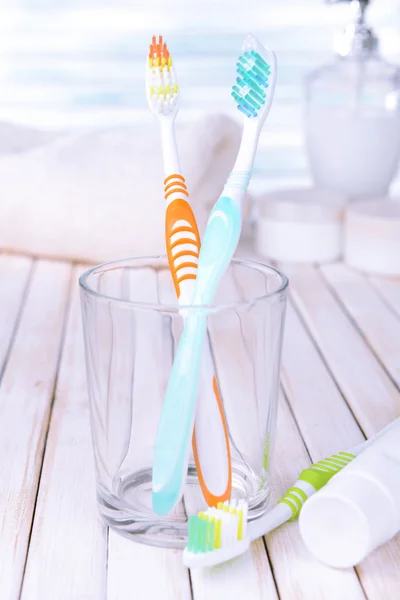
(211, 498)
(181, 233)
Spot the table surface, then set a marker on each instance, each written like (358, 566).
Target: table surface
(340, 382)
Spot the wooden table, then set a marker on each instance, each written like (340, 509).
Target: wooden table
(340, 382)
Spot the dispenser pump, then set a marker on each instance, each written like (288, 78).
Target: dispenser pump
(357, 39)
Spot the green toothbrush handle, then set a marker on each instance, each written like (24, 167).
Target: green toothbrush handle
(313, 479)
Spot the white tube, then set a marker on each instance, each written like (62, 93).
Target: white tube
(359, 509)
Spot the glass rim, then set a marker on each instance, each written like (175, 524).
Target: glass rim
(176, 307)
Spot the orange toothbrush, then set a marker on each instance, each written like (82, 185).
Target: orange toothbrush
(210, 440)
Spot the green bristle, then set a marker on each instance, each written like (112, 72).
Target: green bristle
(210, 536)
(235, 96)
(259, 72)
(192, 528)
(193, 533)
(248, 98)
(249, 80)
(218, 528)
(242, 62)
(257, 97)
(260, 62)
(202, 533)
(249, 74)
(203, 537)
(256, 68)
(257, 56)
(257, 91)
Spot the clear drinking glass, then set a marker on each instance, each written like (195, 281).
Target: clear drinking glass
(132, 324)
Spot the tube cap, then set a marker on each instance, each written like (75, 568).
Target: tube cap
(347, 520)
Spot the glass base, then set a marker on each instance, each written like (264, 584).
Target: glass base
(129, 510)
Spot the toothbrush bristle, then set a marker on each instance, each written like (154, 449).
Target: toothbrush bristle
(253, 73)
(162, 86)
(159, 55)
(217, 528)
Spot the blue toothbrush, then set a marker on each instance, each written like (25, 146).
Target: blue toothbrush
(253, 92)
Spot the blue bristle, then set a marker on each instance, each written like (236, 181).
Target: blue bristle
(244, 111)
(252, 81)
(260, 80)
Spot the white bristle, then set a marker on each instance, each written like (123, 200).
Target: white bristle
(161, 102)
(250, 43)
(227, 526)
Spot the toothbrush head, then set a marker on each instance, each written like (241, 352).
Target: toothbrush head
(161, 83)
(256, 76)
(217, 535)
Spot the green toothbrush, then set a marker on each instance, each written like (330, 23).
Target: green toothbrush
(220, 534)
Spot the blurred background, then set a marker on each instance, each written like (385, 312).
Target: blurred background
(75, 64)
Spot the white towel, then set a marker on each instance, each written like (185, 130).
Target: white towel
(98, 196)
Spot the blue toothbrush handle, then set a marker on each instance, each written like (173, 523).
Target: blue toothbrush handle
(175, 427)
(219, 243)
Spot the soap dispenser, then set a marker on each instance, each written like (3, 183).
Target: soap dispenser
(352, 114)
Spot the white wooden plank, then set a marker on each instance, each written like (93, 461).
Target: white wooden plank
(248, 576)
(139, 571)
(379, 573)
(297, 573)
(14, 272)
(378, 323)
(389, 289)
(327, 426)
(154, 572)
(323, 416)
(67, 553)
(371, 394)
(25, 399)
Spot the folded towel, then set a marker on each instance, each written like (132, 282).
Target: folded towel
(16, 138)
(98, 196)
